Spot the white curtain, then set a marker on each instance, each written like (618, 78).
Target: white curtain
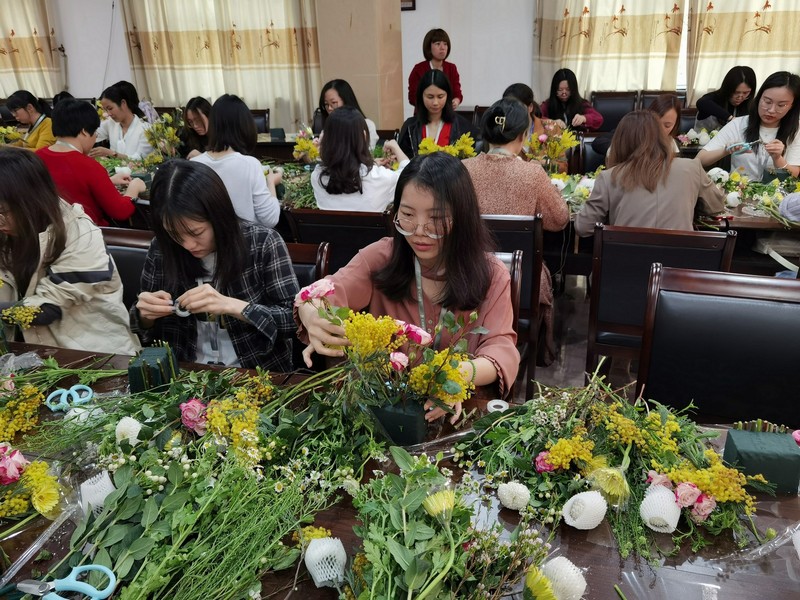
(29, 55)
(262, 50)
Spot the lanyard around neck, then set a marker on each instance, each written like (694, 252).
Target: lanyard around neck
(421, 306)
(74, 147)
(34, 126)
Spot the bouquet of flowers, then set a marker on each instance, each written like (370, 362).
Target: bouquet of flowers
(27, 488)
(694, 138)
(306, 146)
(9, 134)
(162, 134)
(550, 147)
(296, 182)
(575, 189)
(463, 148)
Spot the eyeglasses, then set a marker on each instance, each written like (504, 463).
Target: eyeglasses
(434, 229)
(740, 94)
(779, 107)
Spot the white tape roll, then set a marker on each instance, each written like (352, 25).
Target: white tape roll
(497, 406)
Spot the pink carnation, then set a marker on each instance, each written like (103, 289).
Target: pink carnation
(543, 138)
(415, 334)
(542, 466)
(686, 494)
(398, 360)
(193, 416)
(796, 436)
(12, 464)
(656, 478)
(318, 289)
(703, 507)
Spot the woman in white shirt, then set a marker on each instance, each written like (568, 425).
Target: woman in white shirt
(125, 128)
(348, 177)
(767, 137)
(337, 93)
(231, 137)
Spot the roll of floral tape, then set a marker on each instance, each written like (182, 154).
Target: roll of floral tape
(497, 406)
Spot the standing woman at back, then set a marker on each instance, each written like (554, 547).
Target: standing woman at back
(29, 110)
(565, 103)
(435, 48)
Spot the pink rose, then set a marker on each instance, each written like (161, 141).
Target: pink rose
(686, 494)
(542, 466)
(318, 289)
(703, 507)
(655, 478)
(543, 138)
(398, 360)
(8, 384)
(193, 416)
(796, 436)
(11, 466)
(416, 334)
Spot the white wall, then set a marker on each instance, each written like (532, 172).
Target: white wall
(492, 43)
(93, 35)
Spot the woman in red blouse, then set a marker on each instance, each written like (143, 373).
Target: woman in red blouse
(436, 49)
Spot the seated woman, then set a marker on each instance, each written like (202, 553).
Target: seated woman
(29, 110)
(766, 138)
(54, 258)
(435, 119)
(667, 108)
(731, 100)
(80, 179)
(348, 178)
(507, 185)
(435, 48)
(337, 93)
(437, 260)
(646, 185)
(124, 129)
(523, 93)
(231, 138)
(566, 105)
(194, 136)
(238, 302)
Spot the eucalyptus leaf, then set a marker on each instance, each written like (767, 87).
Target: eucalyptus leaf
(451, 387)
(123, 475)
(149, 512)
(101, 557)
(129, 508)
(141, 547)
(148, 412)
(97, 579)
(79, 531)
(124, 566)
(113, 534)
(175, 473)
(175, 501)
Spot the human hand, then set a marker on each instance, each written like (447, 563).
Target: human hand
(323, 336)
(456, 103)
(434, 412)
(121, 178)
(192, 154)
(560, 123)
(774, 149)
(154, 305)
(578, 120)
(101, 151)
(135, 187)
(204, 298)
(275, 176)
(738, 148)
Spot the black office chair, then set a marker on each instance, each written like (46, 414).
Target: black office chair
(646, 97)
(726, 342)
(590, 160)
(261, 118)
(310, 263)
(129, 249)
(613, 106)
(513, 262)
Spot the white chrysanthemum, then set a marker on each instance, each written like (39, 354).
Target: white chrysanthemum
(733, 199)
(587, 183)
(658, 510)
(559, 183)
(567, 580)
(513, 495)
(719, 175)
(692, 134)
(703, 138)
(128, 429)
(585, 510)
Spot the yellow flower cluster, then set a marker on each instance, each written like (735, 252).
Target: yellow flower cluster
(308, 533)
(14, 503)
(162, 136)
(43, 487)
(9, 134)
(621, 429)
(151, 160)
(661, 437)
(463, 148)
(554, 145)
(236, 420)
(21, 315)
(260, 387)
(566, 450)
(369, 334)
(725, 484)
(426, 379)
(21, 413)
(305, 148)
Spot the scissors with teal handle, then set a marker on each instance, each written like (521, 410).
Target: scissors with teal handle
(64, 399)
(742, 147)
(47, 590)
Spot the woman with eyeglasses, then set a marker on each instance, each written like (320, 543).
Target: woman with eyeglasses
(336, 94)
(53, 257)
(438, 259)
(194, 137)
(766, 139)
(566, 105)
(731, 100)
(29, 110)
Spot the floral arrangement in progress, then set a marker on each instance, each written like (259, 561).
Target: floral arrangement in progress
(696, 138)
(306, 146)
(575, 189)
(757, 198)
(588, 455)
(464, 147)
(295, 188)
(550, 148)
(9, 134)
(162, 134)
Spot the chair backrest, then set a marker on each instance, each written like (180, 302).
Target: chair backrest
(613, 106)
(646, 97)
(727, 342)
(348, 232)
(129, 249)
(261, 117)
(477, 116)
(316, 121)
(621, 265)
(513, 262)
(688, 118)
(590, 160)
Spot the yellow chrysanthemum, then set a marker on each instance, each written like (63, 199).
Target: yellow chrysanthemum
(538, 586)
(440, 504)
(43, 486)
(611, 482)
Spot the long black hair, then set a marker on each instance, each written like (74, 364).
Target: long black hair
(21, 99)
(344, 148)
(733, 78)
(231, 125)
(124, 90)
(787, 130)
(440, 80)
(345, 92)
(504, 121)
(573, 105)
(29, 196)
(468, 271)
(185, 189)
(192, 139)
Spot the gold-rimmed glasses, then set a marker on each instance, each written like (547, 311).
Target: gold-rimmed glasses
(434, 229)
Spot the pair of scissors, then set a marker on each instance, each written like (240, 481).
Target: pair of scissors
(742, 147)
(47, 590)
(64, 399)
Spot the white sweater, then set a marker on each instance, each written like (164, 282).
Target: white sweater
(378, 185)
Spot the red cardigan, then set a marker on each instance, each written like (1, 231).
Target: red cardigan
(421, 68)
(82, 180)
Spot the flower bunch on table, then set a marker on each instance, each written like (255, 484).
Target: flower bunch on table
(696, 138)
(464, 147)
(162, 135)
(575, 189)
(296, 182)
(390, 361)
(9, 134)
(306, 146)
(25, 486)
(581, 451)
(424, 536)
(550, 147)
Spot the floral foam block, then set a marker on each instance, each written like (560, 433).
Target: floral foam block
(774, 455)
